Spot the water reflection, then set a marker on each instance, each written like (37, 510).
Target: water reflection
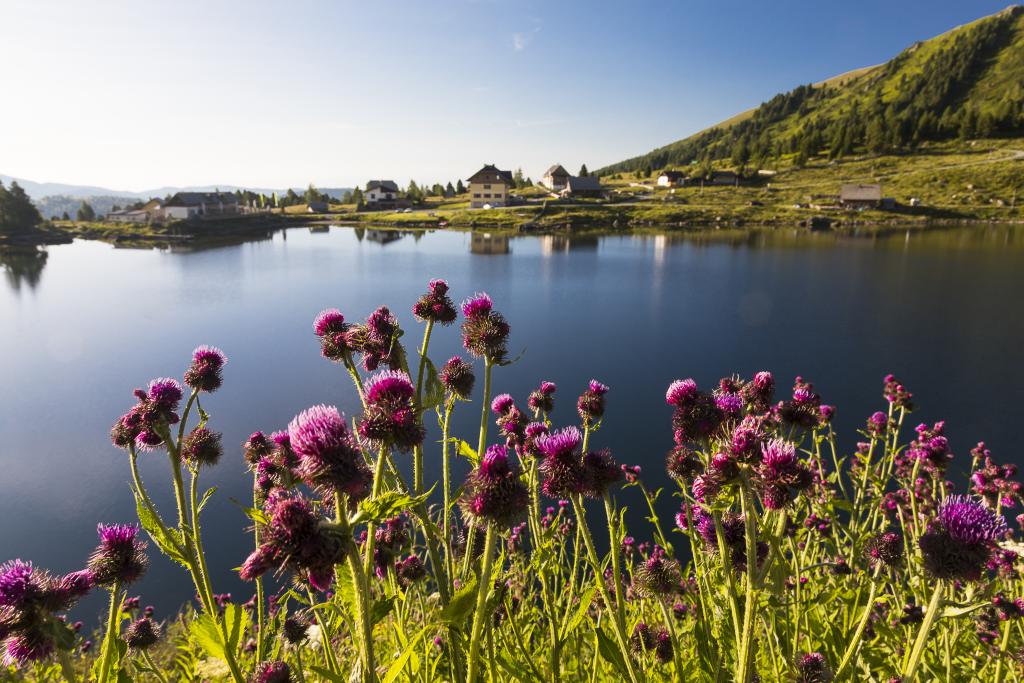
(550, 244)
(486, 243)
(22, 265)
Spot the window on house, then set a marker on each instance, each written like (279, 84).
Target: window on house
(487, 195)
(487, 187)
(476, 195)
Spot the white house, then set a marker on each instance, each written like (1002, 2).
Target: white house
(380, 191)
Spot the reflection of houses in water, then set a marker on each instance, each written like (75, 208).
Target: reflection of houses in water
(23, 265)
(384, 236)
(318, 229)
(550, 244)
(486, 243)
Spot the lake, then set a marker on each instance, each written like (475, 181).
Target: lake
(85, 323)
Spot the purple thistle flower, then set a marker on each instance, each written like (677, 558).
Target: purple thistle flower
(457, 377)
(202, 447)
(329, 320)
(493, 492)
(477, 306)
(484, 331)
(541, 400)
(559, 443)
(329, 459)
(410, 570)
(390, 417)
(435, 305)
(257, 447)
(271, 672)
(502, 403)
(590, 405)
(165, 393)
(730, 404)
(657, 575)
(141, 634)
(600, 472)
(885, 549)
(377, 340)
(663, 646)
(17, 583)
(812, 668)
(968, 521)
(30, 645)
(681, 392)
(120, 557)
(959, 541)
(204, 373)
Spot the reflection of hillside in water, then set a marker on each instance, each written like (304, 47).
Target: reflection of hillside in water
(23, 265)
(951, 238)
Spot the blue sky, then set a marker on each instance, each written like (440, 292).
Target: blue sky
(132, 95)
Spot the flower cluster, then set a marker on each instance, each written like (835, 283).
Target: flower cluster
(435, 306)
(658, 575)
(377, 341)
(145, 425)
(30, 598)
(896, 394)
(992, 481)
(331, 328)
(296, 538)
(590, 404)
(647, 640)
(542, 399)
(780, 473)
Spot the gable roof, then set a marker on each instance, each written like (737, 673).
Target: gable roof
(491, 174)
(867, 193)
(386, 185)
(557, 169)
(197, 198)
(673, 175)
(588, 183)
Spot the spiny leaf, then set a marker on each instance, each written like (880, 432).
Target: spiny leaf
(460, 605)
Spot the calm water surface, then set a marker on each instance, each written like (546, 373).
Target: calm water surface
(83, 325)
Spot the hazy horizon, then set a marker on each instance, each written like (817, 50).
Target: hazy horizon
(132, 97)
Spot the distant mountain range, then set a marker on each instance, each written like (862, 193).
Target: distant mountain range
(53, 199)
(965, 83)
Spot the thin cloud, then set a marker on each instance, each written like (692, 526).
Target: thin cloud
(522, 39)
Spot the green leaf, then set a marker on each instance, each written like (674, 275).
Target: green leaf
(468, 452)
(610, 653)
(581, 612)
(461, 604)
(255, 514)
(433, 394)
(206, 498)
(396, 667)
(328, 676)
(206, 633)
(953, 611)
(380, 609)
(235, 620)
(345, 588)
(150, 521)
(387, 504)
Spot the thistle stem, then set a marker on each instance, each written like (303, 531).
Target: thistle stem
(417, 454)
(910, 670)
(482, 588)
(113, 626)
(851, 649)
(67, 669)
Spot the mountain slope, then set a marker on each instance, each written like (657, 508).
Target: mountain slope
(964, 83)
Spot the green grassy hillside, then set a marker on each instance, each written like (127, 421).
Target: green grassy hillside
(963, 84)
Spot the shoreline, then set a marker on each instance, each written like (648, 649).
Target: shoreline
(568, 221)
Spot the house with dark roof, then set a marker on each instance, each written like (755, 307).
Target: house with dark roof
(186, 205)
(378, 191)
(854, 196)
(555, 178)
(489, 187)
(583, 186)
